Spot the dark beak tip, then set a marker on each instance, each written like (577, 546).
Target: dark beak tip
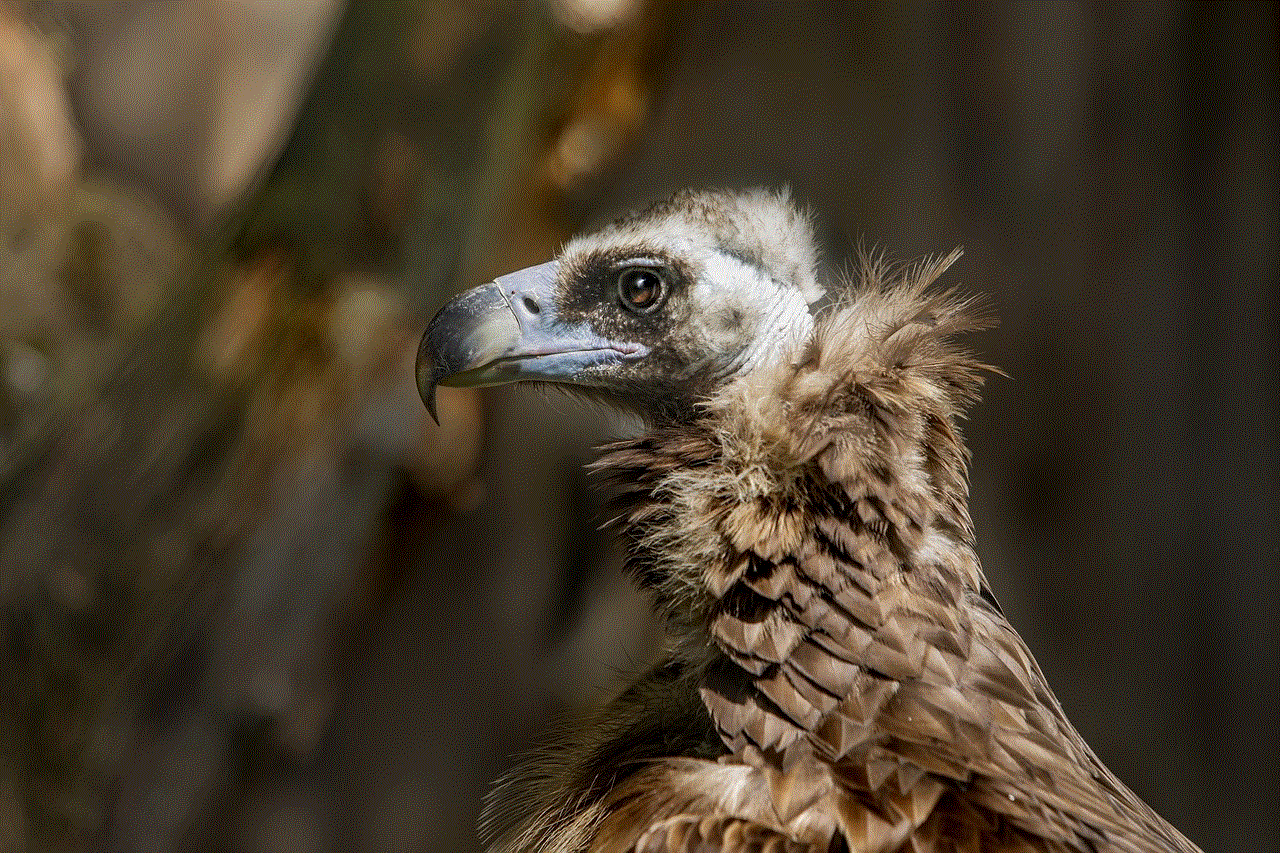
(427, 376)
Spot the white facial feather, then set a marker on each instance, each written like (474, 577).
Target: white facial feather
(742, 317)
(753, 261)
(760, 224)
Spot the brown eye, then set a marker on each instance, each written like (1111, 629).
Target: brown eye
(641, 289)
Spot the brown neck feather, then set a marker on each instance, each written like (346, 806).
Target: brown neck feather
(859, 435)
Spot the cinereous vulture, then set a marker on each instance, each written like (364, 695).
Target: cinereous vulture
(840, 677)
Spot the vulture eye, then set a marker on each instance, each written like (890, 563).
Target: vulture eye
(641, 289)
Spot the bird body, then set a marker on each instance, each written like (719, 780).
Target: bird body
(840, 677)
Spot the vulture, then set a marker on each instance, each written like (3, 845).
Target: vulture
(839, 676)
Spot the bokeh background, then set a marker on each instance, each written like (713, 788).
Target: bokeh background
(252, 599)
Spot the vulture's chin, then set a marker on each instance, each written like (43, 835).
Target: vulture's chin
(511, 330)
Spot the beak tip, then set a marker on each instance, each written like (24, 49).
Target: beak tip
(430, 399)
(428, 377)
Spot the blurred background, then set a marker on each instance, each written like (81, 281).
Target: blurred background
(252, 599)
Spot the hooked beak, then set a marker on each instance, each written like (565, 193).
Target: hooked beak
(507, 331)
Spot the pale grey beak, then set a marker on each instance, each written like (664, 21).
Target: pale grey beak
(507, 331)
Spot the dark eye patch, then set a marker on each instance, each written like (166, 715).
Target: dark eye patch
(590, 292)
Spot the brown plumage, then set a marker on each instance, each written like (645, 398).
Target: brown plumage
(841, 678)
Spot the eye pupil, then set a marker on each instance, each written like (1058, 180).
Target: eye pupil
(640, 289)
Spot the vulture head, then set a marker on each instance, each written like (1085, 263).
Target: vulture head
(653, 313)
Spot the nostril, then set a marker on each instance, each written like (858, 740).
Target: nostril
(531, 306)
